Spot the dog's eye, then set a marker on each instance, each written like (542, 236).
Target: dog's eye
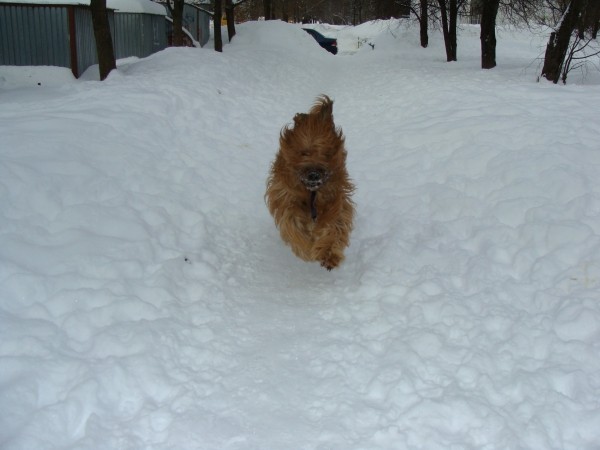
(305, 154)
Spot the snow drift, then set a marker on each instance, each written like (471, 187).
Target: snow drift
(146, 300)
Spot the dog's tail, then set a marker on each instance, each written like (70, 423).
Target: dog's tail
(323, 106)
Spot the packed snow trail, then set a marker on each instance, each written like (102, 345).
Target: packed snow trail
(146, 300)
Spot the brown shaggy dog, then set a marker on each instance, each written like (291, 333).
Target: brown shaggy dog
(308, 190)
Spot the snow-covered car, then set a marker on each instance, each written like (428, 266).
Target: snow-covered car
(329, 44)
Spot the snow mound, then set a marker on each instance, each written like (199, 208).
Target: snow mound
(12, 77)
(277, 36)
(147, 301)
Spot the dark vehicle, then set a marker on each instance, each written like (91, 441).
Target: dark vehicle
(328, 44)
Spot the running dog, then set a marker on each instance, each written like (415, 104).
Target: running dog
(308, 189)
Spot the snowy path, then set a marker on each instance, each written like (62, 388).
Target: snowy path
(146, 300)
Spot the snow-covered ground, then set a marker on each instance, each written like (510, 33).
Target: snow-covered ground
(147, 302)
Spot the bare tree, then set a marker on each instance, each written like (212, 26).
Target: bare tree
(591, 19)
(422, 15)
(217, 16)
(359, 11)
(268, 9)
(230, 6)
(176, 10)
(577, 55)
(449, 14)
(424, 23)
(104, 43)
(558, 44)
(489, 12)
(230, 16)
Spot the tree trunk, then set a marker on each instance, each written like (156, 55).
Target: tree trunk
(558, 44)
(268, 5)
(423, 24)
(488, 33)
(217, 16)
(444, 13)
(285, 16)
(449, 28)
(230, 15)
(593, 18)
(104, 44)
(453, 19)
(177, 14)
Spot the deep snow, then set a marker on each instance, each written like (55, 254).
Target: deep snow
(146, 301)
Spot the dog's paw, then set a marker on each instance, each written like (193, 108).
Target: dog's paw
(331, 261)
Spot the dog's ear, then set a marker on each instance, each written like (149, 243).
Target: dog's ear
(299, 118)
(324, 107)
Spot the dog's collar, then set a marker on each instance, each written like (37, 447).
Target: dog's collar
(313, 207)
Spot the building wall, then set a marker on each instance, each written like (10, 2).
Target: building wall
(197, 22)
(63, 35)
(139, 34)
(34, 35)
(86, 42)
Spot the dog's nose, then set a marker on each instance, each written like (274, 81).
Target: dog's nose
(314, 176)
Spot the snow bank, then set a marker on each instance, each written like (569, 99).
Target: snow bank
(146, 300)
(14, 77)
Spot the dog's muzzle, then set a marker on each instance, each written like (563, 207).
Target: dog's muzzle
(314, 177)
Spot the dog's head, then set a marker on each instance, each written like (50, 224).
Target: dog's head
(313, 148)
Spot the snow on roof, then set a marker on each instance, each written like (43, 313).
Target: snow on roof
(137, 6)
(125, 6)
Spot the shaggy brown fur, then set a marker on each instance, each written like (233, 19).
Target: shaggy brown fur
(308, 190)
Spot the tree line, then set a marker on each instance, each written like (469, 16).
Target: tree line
(573, 23)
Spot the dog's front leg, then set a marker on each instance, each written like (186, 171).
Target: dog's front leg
(296, 233)
(329, 245)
